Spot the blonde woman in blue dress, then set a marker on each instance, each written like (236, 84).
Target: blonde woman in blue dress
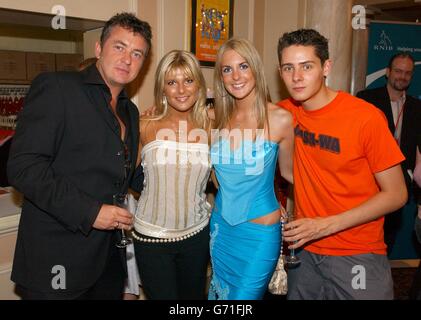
(253, 135)
(171, 221)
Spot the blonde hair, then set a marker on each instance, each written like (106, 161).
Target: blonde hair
(187, 62)
(224, 102)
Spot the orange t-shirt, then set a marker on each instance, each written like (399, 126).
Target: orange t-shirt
(338, 148)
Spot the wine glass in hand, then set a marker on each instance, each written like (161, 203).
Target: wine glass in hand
(291, 260)
(122, 200)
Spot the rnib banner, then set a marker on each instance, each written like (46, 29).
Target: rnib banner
(387, 39)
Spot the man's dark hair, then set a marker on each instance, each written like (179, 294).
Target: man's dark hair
(305, 37)
(130, 22)
(400, 55)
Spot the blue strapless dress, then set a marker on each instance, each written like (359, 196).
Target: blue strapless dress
(243, 254)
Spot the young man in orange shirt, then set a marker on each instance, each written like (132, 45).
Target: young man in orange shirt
(347, 176)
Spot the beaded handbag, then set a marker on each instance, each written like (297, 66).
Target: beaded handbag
(278, 283)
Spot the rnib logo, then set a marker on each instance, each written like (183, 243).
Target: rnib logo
(384, 43)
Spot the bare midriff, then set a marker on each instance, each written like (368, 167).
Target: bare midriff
(268, 219)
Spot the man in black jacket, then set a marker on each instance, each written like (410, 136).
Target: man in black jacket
(415, 291)
(74, 150)
(403, 114)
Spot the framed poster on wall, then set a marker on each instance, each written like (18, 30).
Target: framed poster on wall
(212, 22)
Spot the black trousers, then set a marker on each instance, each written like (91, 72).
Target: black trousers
(174, 270)
(109, 286)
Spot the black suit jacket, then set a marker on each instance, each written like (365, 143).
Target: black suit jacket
(411, 123)
(67, 159)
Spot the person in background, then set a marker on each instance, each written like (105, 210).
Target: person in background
(417, 179)
(403, 113)
(74, 149)
(347, 176)
(171, 232)
(415, 291)
(252, 135)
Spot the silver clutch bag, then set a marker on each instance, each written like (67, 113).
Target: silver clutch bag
(278, 284)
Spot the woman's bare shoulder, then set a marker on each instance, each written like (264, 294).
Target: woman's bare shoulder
(147, 124)
(279, 115)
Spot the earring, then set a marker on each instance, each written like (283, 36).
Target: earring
(165, 104)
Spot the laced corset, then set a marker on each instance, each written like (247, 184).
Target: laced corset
(173, 202)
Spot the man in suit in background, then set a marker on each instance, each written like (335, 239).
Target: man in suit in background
(403, 114)
(415, 291)
(74, 150)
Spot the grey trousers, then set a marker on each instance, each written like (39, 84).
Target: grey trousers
(356, 277)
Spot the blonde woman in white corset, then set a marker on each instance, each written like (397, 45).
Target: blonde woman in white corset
(171, 221)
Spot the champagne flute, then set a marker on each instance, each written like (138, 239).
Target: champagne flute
(291, 260)
(122, 200)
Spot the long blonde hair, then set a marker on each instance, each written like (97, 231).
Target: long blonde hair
(224, 102)
(187, 62)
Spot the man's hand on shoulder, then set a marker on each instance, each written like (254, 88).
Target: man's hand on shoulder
(150, 112)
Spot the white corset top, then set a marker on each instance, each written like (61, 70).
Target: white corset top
(173, 201)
